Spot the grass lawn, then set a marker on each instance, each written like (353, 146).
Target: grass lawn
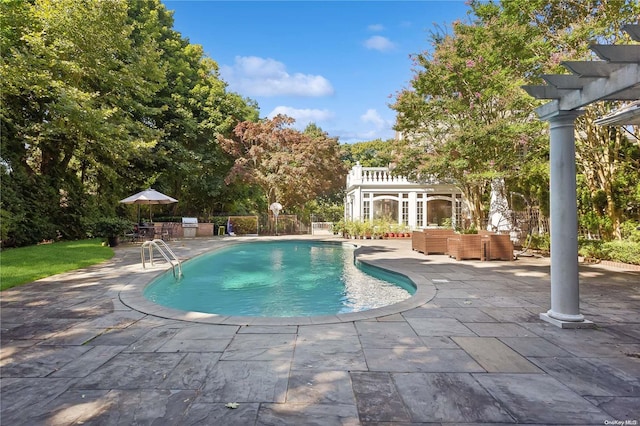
(26, 264)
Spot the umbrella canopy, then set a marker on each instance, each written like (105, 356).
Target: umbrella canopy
(149, 196)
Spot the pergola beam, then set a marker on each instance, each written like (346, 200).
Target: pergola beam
(633, 31)
(625, 79)
(620, 54)
(591, 68)
(567, 81)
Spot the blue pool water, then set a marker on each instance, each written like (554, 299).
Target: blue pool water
(279, 279)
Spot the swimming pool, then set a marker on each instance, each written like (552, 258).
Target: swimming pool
(279, 279)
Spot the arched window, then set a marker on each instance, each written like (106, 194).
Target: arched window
(385, 209)
(438, 211)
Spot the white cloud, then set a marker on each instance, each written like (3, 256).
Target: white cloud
(380, 43)
(370, 127)
(372, 116)
(303, 116)
(376, 27)
(255, 76)
(347, 136)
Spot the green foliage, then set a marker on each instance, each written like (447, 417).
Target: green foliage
(589, 248)
(631, 231)
(621, 251)
(380, 227)
(243, 225)
(471, 230)
(540, 242)
(376, 153)
(98, 100)
(27, 217)
(324, 209)
(339, 227)
(364, 228)
(617, 251)
(26, 264)
(108, 227)
(465, 117)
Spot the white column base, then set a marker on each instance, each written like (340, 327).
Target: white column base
(567, 324)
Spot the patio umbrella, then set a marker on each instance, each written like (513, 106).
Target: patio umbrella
(148, 196)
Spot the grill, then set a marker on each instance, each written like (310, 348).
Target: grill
(189, 227)
(189, 222)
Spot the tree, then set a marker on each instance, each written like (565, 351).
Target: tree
(464, 117)
(100, 99)
(375, 153)
(73, 87)
(291, 167)
(192, 108)
(607, 158)
(608, 162)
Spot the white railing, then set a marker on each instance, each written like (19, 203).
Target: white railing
(377, 175)
(321, 228)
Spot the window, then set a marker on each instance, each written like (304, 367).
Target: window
(385, 209)
(366, 209)
(405, 212)
(459, 222)
(420, 212)
(438, 211)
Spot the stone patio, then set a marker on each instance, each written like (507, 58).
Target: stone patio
(468, 349)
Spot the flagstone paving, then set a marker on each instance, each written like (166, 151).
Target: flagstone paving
(468, 349)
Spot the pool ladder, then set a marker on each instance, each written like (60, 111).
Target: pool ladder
(165, 251)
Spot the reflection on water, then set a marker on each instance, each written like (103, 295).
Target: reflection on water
(280, 279)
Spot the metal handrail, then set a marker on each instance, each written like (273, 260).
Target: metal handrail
(155, 243)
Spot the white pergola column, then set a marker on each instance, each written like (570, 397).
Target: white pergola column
(413, 210)
(357, 204)
(565, 294)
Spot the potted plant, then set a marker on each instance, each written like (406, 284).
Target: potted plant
(379, 227)
(357, 229)
(367, 229)
(340, 228)
(111, 228)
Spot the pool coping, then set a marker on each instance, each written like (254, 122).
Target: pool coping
(132, 296)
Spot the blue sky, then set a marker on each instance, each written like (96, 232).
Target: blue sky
(335, 63)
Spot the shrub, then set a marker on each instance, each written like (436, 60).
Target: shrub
(622, 251)
(244, 224)
(109, 227)
(617, 251)
(631, 231)
(589, 248)
(167, 219)
(540, 242)
(219, 221)
(339, 227)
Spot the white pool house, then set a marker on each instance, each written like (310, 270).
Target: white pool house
(374, 193)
